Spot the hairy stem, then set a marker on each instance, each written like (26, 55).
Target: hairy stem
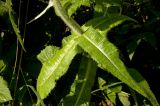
(68, 21)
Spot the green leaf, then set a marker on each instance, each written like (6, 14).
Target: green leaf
(86, 74)
(124, 98)
(103, 7)
(81, 88)
(73, 5)
(150, 38)
(47, 53)
(110, 90)
(15, 28)
(4, 91)
(55, 67)
(107, 57)
(102, 83)
(105, 24)
(2, 65)
(112, 97)
(131, 47)
(133, 94)
(146, 36)
(22, 90)
(114, 86)
(68, 39)
(3, 8)
(143, 85)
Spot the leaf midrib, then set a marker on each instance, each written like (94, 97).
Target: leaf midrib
(83, 85)
(57, 64)
(107, 58)
(102, 52)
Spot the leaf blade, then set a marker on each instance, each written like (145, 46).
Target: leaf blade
(80, 92)
(3, 8)
(4, 91)
(55, 67)
(106, 55)
(14, 26)
(87, 72)
(105, 24)
(73, 5)
(47, 53)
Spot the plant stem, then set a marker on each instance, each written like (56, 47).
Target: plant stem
(68, 21)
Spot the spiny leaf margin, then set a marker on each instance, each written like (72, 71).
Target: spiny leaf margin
(47, 53)
(104, 24)
(107, 57)
(73, 5)
(55, 67)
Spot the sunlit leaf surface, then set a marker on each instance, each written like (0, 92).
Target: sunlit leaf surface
(4, 91)
(107, 57)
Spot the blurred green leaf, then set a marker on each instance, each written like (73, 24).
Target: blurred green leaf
(105, 7)
(143, 84)
(80, 93)
(146, 36)
(2, 65)
(15, 28)
(112, 97)
(115, 87)
(124, 98)
(110, 90)
(101, 83)
(72, 5)
(4, 91)
(104, 24)
(86, 74)
(3, 8)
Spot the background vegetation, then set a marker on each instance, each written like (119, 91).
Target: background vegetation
(91, 70)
